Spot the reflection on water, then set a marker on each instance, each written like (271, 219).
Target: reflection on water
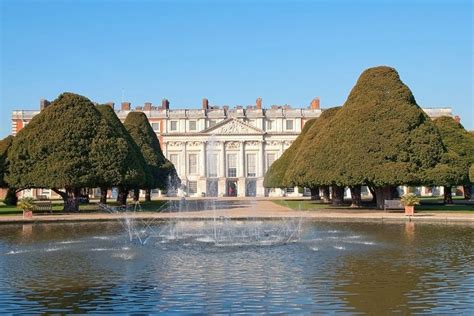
(335, 267)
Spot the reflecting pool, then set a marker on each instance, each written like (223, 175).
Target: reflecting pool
(341, 268)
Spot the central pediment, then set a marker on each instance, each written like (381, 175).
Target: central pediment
(232, 127)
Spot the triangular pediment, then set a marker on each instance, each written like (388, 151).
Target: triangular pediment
(232, 127)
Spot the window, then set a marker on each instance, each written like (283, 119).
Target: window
(269, 125)
(192, 187)
(212, 165)
(192, 163)
(290, 190)
(156, 126)
(174, 160)
(232, 165)
(174, 125)
(192, 125)
(251, 165)
(270, 160)
(289, 125)
(212, 123)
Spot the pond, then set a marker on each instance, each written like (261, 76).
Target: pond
(341, 268)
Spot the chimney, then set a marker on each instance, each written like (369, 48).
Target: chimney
(126, 106)
(165, 104)
(205, 104)
(147, 106)
(315, 104)
(111, 104)
(259, 103)
(44, 104)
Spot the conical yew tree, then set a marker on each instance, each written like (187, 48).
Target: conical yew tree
(274, 177)
(62, 148)
(160, 169)
(116, 155)
(379, 138)
(455, 169)
(10, 197)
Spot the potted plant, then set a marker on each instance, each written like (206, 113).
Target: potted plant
(27, 205)
(409, 201)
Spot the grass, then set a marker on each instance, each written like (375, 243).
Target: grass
(430, 204)
(92, 207)
(303, 205)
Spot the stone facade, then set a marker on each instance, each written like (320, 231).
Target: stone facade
(221, 151)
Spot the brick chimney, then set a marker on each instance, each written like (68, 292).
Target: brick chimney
(315, 104)
(205, 104)
(165, 104)
(147, 106)
(111, 104)
(44, 104)
(259, 103)
(126, 106)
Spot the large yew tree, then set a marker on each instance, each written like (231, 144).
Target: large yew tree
(64, 148)
(274, 177)
(380, 138)
(116, 155)
(387, 138)
(456, 164)
(5, 144)
(162, 172)
(303, 171)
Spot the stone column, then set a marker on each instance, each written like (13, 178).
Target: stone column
(241, 173)
(221, 173)
(203, 160)
(241, 170)
(261, 158)
(184, 162)
(222, 166)
(165, 148)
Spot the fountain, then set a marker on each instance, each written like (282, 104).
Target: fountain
(219, 230)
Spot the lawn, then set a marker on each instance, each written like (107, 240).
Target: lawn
(431, 204)
(92, 207)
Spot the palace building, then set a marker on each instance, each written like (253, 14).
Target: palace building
(220, 151)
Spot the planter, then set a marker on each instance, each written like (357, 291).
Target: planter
(27, 214)
(409, 210)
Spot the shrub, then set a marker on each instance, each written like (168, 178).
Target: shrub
(26, 204)
(410, 199)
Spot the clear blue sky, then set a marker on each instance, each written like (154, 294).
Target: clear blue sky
(232, 52)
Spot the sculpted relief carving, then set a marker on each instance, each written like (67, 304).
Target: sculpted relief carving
(174, 144)
(235, 127)
(233, 145)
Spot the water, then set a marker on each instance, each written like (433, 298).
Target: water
(333, 268)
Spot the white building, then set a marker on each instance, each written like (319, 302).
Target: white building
(222, 151)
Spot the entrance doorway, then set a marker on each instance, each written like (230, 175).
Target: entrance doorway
(251, 188)
(231, 187)
(212, 188)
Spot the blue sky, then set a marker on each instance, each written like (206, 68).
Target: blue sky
(232, 52)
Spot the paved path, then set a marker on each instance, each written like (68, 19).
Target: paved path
(264, 209)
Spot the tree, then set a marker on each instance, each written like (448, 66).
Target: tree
(380, 138)
(274, 177)
(301, 171)
(4, 147)
(116, 156)
(163, 174)
(5, 144)
(57, 149)
(456, 165)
